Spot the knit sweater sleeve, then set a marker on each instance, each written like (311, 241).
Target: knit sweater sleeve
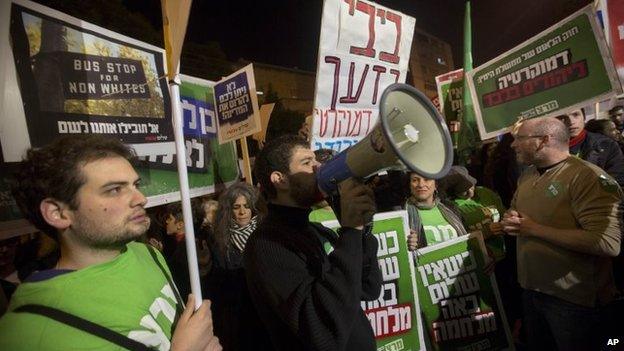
(318, 308)
(597, 204)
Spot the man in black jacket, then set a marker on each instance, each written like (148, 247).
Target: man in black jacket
(306, 282)
(595, 148)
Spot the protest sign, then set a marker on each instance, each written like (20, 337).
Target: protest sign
(65, 76)
(460, 304)
(565, 67)
(237, 105)
(395, 315)
(364, 47)
(615, 30)
(72, 77)
(208, 162)
(450, 92)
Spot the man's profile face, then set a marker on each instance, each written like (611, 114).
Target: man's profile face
(577, 122)
(303, 187)
(110, 209)
(526, 144)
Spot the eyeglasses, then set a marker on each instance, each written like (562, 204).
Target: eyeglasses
(524, 137)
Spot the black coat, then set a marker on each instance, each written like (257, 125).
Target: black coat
(605, 153)
(307, 299)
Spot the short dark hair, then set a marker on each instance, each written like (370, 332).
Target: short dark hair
(54, 171)
(275, 156)
(600, 126)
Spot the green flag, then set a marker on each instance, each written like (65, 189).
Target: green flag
(467, 136)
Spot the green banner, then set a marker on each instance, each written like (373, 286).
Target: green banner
(565, 67)
(460, 304)
(450, 92)
(209, 163)
(395, 316)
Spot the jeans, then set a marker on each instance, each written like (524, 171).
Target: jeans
(555, 324)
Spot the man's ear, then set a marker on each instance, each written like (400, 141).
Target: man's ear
(55, 213)
(279, 180)
(180, 225)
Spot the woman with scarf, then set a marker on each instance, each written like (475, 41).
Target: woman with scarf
(431, 221)
(236, 219)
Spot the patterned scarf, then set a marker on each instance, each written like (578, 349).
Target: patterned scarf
(239, 235)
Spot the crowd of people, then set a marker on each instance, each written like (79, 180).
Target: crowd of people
(546, 199)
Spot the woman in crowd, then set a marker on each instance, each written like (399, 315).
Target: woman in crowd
(431, 221)
(236, 219)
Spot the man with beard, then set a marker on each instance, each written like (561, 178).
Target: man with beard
(306, 282)
(565, 215)
(106, 291)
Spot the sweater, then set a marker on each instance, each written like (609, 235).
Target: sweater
(573, 194)
(306, 298)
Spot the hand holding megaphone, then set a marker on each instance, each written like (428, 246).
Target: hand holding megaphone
(357, 204)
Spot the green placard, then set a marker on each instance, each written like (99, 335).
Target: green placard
(460, 304)
(450, 91)
(219, 161)
(395, 316)
(565, 67)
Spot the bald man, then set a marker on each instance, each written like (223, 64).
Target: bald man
(565, 214)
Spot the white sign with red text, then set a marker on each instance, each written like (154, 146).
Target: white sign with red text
(364, 47)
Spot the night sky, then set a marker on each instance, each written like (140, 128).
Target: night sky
(286, 32)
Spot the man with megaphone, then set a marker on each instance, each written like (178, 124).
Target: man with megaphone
(306, 282)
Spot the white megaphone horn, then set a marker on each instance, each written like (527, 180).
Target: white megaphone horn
(410, 135)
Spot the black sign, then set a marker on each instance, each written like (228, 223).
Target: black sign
(101, 77)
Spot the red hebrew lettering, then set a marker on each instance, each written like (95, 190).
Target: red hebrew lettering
(357, 123)
(513, 93)
(528, 87)
(369, 113)
(349, 98)
(338, 123)
(368, 51)
(336, 61)
(381, 13)
(351, 6)
(323, 119)
(393, 57)
(379, 70)
(396, 73)
(580, 68)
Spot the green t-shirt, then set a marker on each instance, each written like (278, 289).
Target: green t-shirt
(321, 215)
(129, 295)
(479, 215)
(437, 229)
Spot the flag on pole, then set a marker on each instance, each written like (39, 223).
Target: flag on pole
(175, 14)
(467, 136)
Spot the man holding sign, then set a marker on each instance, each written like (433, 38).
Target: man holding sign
(566, 216)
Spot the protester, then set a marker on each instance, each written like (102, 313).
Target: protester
(565, 214)
(236, 219)
(306, 282)
(431, 221)
(481, 209)
(616, 114)
(600, 150)
(83, 191)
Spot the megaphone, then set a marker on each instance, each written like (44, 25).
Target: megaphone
(410, 135)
